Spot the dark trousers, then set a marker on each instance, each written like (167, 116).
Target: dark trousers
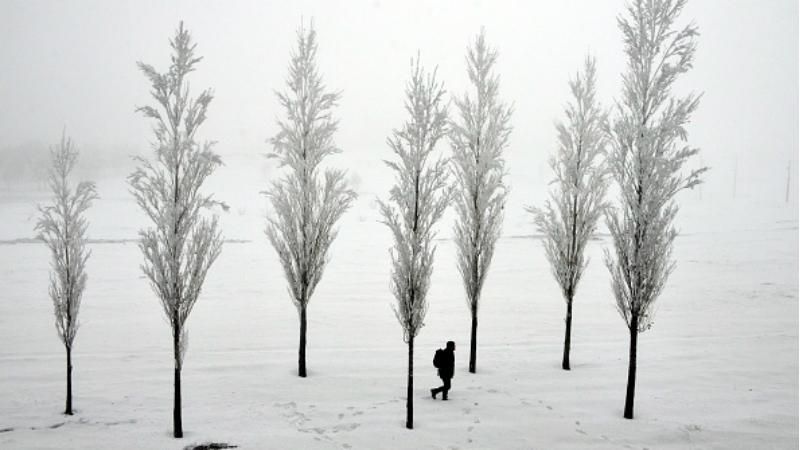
(444, 388)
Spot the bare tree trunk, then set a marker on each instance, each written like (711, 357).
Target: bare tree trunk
(473, 342)
(68, 410)
(410, 392)
(634, 330)
(301, 359)
(177, 421)
(567, 335)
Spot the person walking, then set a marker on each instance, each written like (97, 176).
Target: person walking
(445, 361)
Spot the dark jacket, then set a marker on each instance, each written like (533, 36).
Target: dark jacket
(447, 368)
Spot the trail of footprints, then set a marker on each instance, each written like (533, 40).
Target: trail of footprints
(300, 419)
(81, 420)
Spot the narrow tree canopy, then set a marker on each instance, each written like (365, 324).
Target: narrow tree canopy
(418, 199)
(307, 201)
(647, 155)
(62, 227)
(569, 218)
(478, 137)
(181, 243)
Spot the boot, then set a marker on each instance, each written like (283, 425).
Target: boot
(433, 393)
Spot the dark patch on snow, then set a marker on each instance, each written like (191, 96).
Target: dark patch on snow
(6, 430)
(210, 446)
(693, 427)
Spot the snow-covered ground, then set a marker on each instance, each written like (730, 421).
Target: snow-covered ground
(718, 370)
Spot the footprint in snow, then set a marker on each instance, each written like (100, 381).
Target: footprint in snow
(119, 422)
(346, 427)
(319, 430)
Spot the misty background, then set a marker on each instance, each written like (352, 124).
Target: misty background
(72, 66)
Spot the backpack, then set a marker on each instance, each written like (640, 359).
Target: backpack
(438, 358)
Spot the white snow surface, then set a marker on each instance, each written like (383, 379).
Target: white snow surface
(719, 369)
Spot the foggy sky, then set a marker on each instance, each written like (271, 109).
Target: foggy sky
(72, 64)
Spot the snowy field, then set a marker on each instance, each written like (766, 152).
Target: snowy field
(718, 370)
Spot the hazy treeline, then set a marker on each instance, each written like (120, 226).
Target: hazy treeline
(26, 163)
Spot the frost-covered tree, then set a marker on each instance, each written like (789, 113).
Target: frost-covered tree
(62, 227)
(478, 138)
(568, 220)
(181, 243)
(415, 204)
(306, 201)
(646, 159)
